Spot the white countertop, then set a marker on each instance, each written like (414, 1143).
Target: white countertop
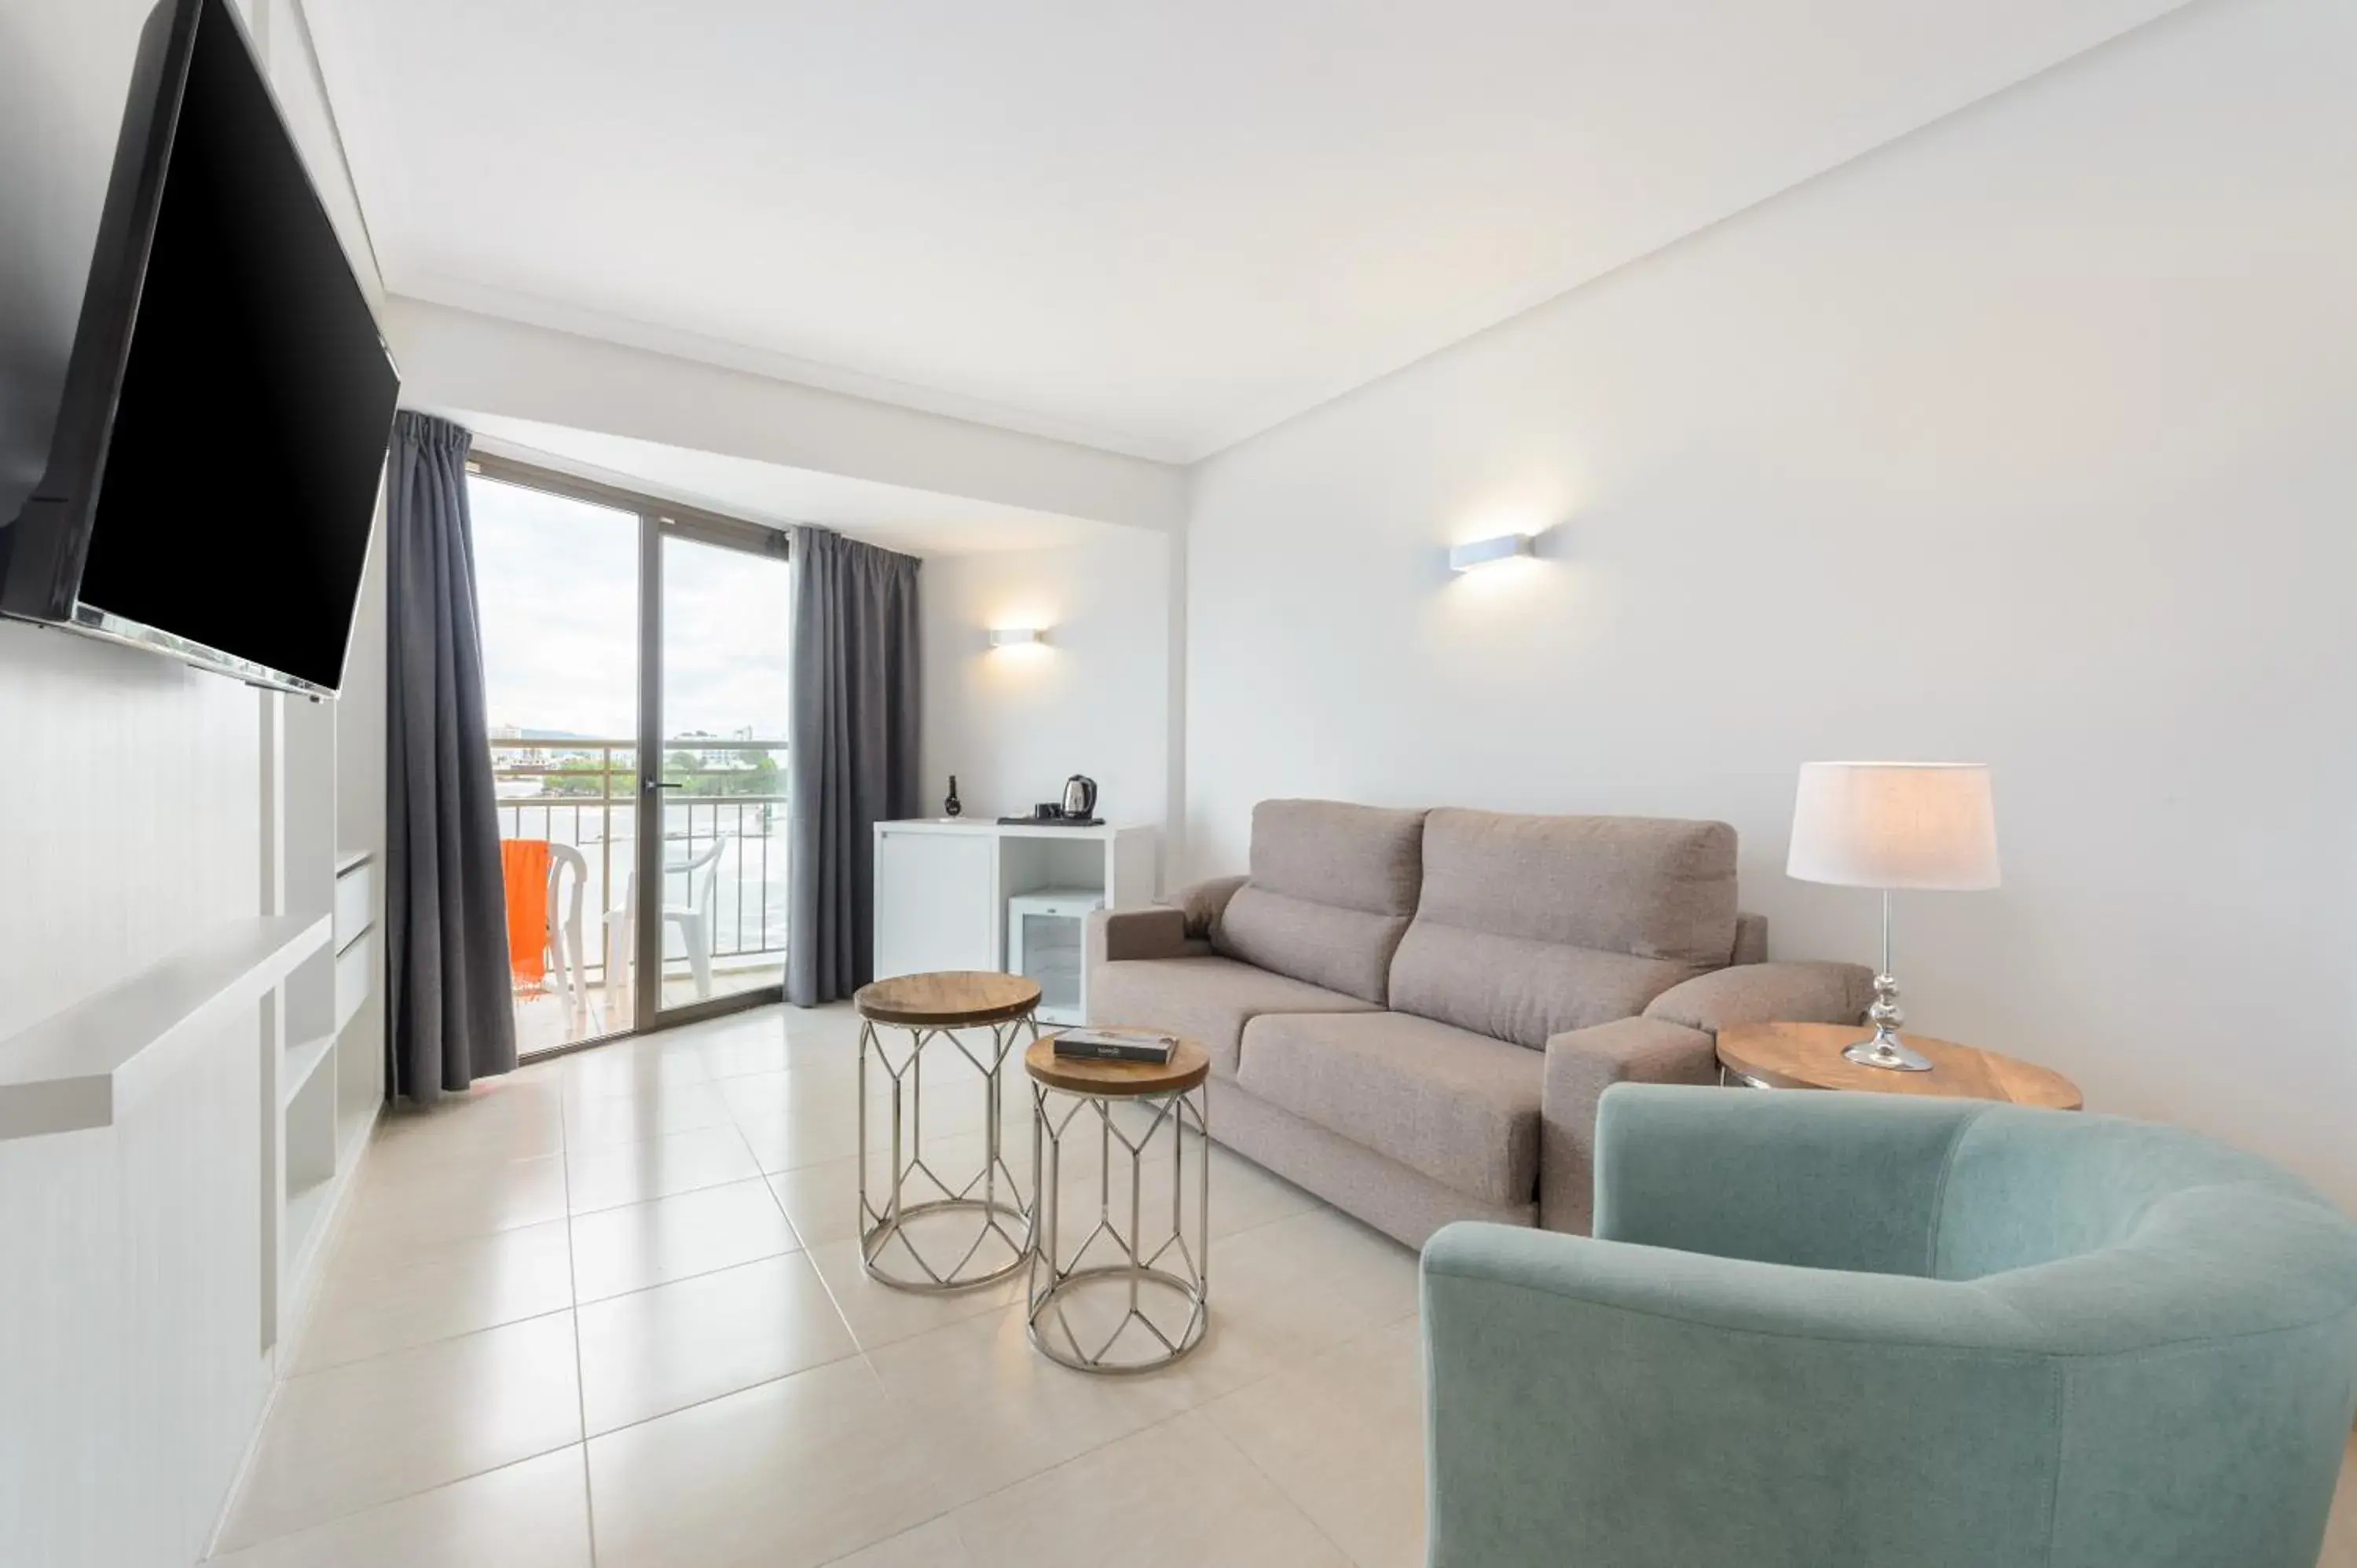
(1012, 830)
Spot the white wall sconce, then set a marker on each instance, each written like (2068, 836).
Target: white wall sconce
(1018, 637)
(1484, 552)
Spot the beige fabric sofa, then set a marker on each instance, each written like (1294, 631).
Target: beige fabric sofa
(1412, 1013)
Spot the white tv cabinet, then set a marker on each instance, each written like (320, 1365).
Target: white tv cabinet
(943, 884)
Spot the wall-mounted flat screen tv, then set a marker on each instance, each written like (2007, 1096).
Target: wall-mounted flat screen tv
(221, 439)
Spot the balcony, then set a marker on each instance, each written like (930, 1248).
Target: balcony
(724, 825)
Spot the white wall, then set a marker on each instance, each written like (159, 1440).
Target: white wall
(454, 360)
(2031, 438)
(128, 814)
(130, 1375)
(130, 806)
(1013, 723)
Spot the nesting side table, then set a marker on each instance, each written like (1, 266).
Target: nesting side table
(982, 1228)
(1126, 1297)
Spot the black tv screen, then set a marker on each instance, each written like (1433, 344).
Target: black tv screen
(215, 467)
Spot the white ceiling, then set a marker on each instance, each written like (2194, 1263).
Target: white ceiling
(1156, 226)
(919, 522)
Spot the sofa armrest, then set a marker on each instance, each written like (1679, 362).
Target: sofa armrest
(1768, 994)
(1580, 1066)
(1116, 935)
(1592, 1401)
(1751, 939)
(1204, 902)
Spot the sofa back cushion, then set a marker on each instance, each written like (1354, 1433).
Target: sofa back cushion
(1527, 927)
(1332, 889)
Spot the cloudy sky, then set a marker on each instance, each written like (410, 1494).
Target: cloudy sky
(557, 586)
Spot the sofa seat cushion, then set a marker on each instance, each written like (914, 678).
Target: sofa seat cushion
(1458, 1107)
(1206, 999)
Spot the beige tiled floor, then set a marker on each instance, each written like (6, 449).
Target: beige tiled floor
(612, 1305)
(609, 1310)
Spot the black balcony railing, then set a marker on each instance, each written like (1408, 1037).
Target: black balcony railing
(584, 792)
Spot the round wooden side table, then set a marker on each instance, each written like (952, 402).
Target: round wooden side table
(1809, 1056)
(1129, 1297)
(930, 1010)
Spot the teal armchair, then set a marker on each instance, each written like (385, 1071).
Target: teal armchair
(1828, 1329)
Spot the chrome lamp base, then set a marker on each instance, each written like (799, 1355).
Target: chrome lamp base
(1888, 1051)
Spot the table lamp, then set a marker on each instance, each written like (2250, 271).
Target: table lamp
(1893, 825)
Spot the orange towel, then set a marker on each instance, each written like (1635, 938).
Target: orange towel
(523, 865)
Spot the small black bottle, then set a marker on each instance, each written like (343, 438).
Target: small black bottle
(952, 807)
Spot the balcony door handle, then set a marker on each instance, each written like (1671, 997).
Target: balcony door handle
(664, 784)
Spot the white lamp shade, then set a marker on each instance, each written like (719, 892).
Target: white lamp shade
(1895, 825)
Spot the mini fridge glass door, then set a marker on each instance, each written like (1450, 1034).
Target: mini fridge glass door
(1044, 939)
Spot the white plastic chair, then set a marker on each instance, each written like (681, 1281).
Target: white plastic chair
(694, 917)
(568, 876)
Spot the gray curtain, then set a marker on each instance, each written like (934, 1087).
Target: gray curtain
(851, 760)
(446, 910)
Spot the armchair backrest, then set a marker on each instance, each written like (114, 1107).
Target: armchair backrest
(2095, 1234)
(2023, 1188)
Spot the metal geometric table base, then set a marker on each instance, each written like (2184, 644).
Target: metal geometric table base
(889, 1248)
(1130, 1279)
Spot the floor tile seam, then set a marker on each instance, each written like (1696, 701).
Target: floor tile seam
(1206, 1403)
(795, 1251)
(946, 1515)
(477, 1236)
(602, 1148)
(1296, 1504)
(754, 1155)
(429, 1261)
(619, 1427)
(759, 1175)
(411, 1496)
(1088, 1452)
(1299, 1505)
(761, 1178)
(1211, 1410)
(428, 1344)
(574, 1305)
(451, 1173)
(704, 1275)
(652, 1088)
(607, 1146)
(580, 1370)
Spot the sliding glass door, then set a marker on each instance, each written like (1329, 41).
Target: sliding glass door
(723, 683)
(636, 666)
(557, 591)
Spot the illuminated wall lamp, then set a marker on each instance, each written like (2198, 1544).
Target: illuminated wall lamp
(1482, 552)
(1016, 637)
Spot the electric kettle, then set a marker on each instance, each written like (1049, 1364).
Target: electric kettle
(1080, 797)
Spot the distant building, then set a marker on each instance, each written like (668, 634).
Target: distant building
(515, 755)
